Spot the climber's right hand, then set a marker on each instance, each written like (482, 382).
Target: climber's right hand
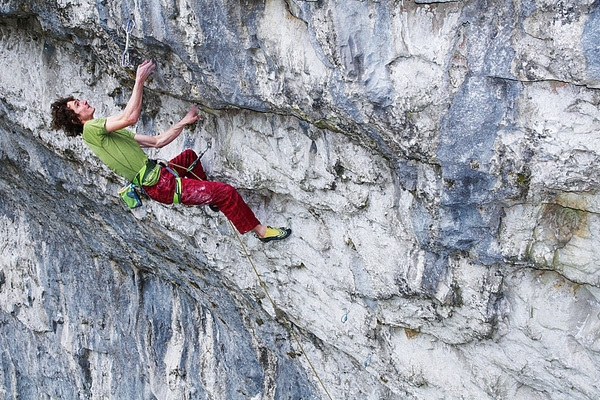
(144, 70)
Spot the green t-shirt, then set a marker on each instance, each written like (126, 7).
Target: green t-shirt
(118, 150)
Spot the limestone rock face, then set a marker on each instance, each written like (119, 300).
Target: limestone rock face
(438, 162)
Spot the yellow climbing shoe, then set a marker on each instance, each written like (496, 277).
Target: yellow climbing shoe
(275, 234)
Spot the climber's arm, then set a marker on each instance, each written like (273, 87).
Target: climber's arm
(169, 135)
(131, 113)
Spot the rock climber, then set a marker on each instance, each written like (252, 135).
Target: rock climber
(121, 150)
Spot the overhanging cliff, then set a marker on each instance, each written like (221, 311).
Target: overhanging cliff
(437, 161)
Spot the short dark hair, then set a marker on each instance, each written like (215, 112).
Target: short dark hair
(64, 118)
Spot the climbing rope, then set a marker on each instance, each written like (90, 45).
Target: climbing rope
(125, 56)
(278, 312)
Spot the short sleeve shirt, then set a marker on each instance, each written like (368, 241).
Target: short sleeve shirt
(118, 150)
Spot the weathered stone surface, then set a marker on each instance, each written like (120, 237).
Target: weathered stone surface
(437, 161)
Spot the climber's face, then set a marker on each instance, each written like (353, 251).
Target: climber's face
(84, 111)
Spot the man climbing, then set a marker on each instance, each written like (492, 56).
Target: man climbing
(180, 180)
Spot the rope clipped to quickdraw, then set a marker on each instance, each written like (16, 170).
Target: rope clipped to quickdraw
(279, 313)
(192, 165)
(125, 56)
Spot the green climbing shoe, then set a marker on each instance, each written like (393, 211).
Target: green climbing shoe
(275, 234)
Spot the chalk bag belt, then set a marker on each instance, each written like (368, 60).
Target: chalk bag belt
(177, 195)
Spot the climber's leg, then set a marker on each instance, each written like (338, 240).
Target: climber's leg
(186, 159)
(196, 192)
(222, 195)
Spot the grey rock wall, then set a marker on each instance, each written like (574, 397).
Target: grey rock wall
(437, 162)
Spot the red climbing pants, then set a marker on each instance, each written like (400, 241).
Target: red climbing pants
(197, 190)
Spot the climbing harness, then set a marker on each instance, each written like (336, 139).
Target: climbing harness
(125, 56)
(166, 165)
(178, 186)
(140, 177)
(279, 313)
(129, 193)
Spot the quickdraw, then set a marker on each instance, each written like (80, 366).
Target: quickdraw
(125, 56)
